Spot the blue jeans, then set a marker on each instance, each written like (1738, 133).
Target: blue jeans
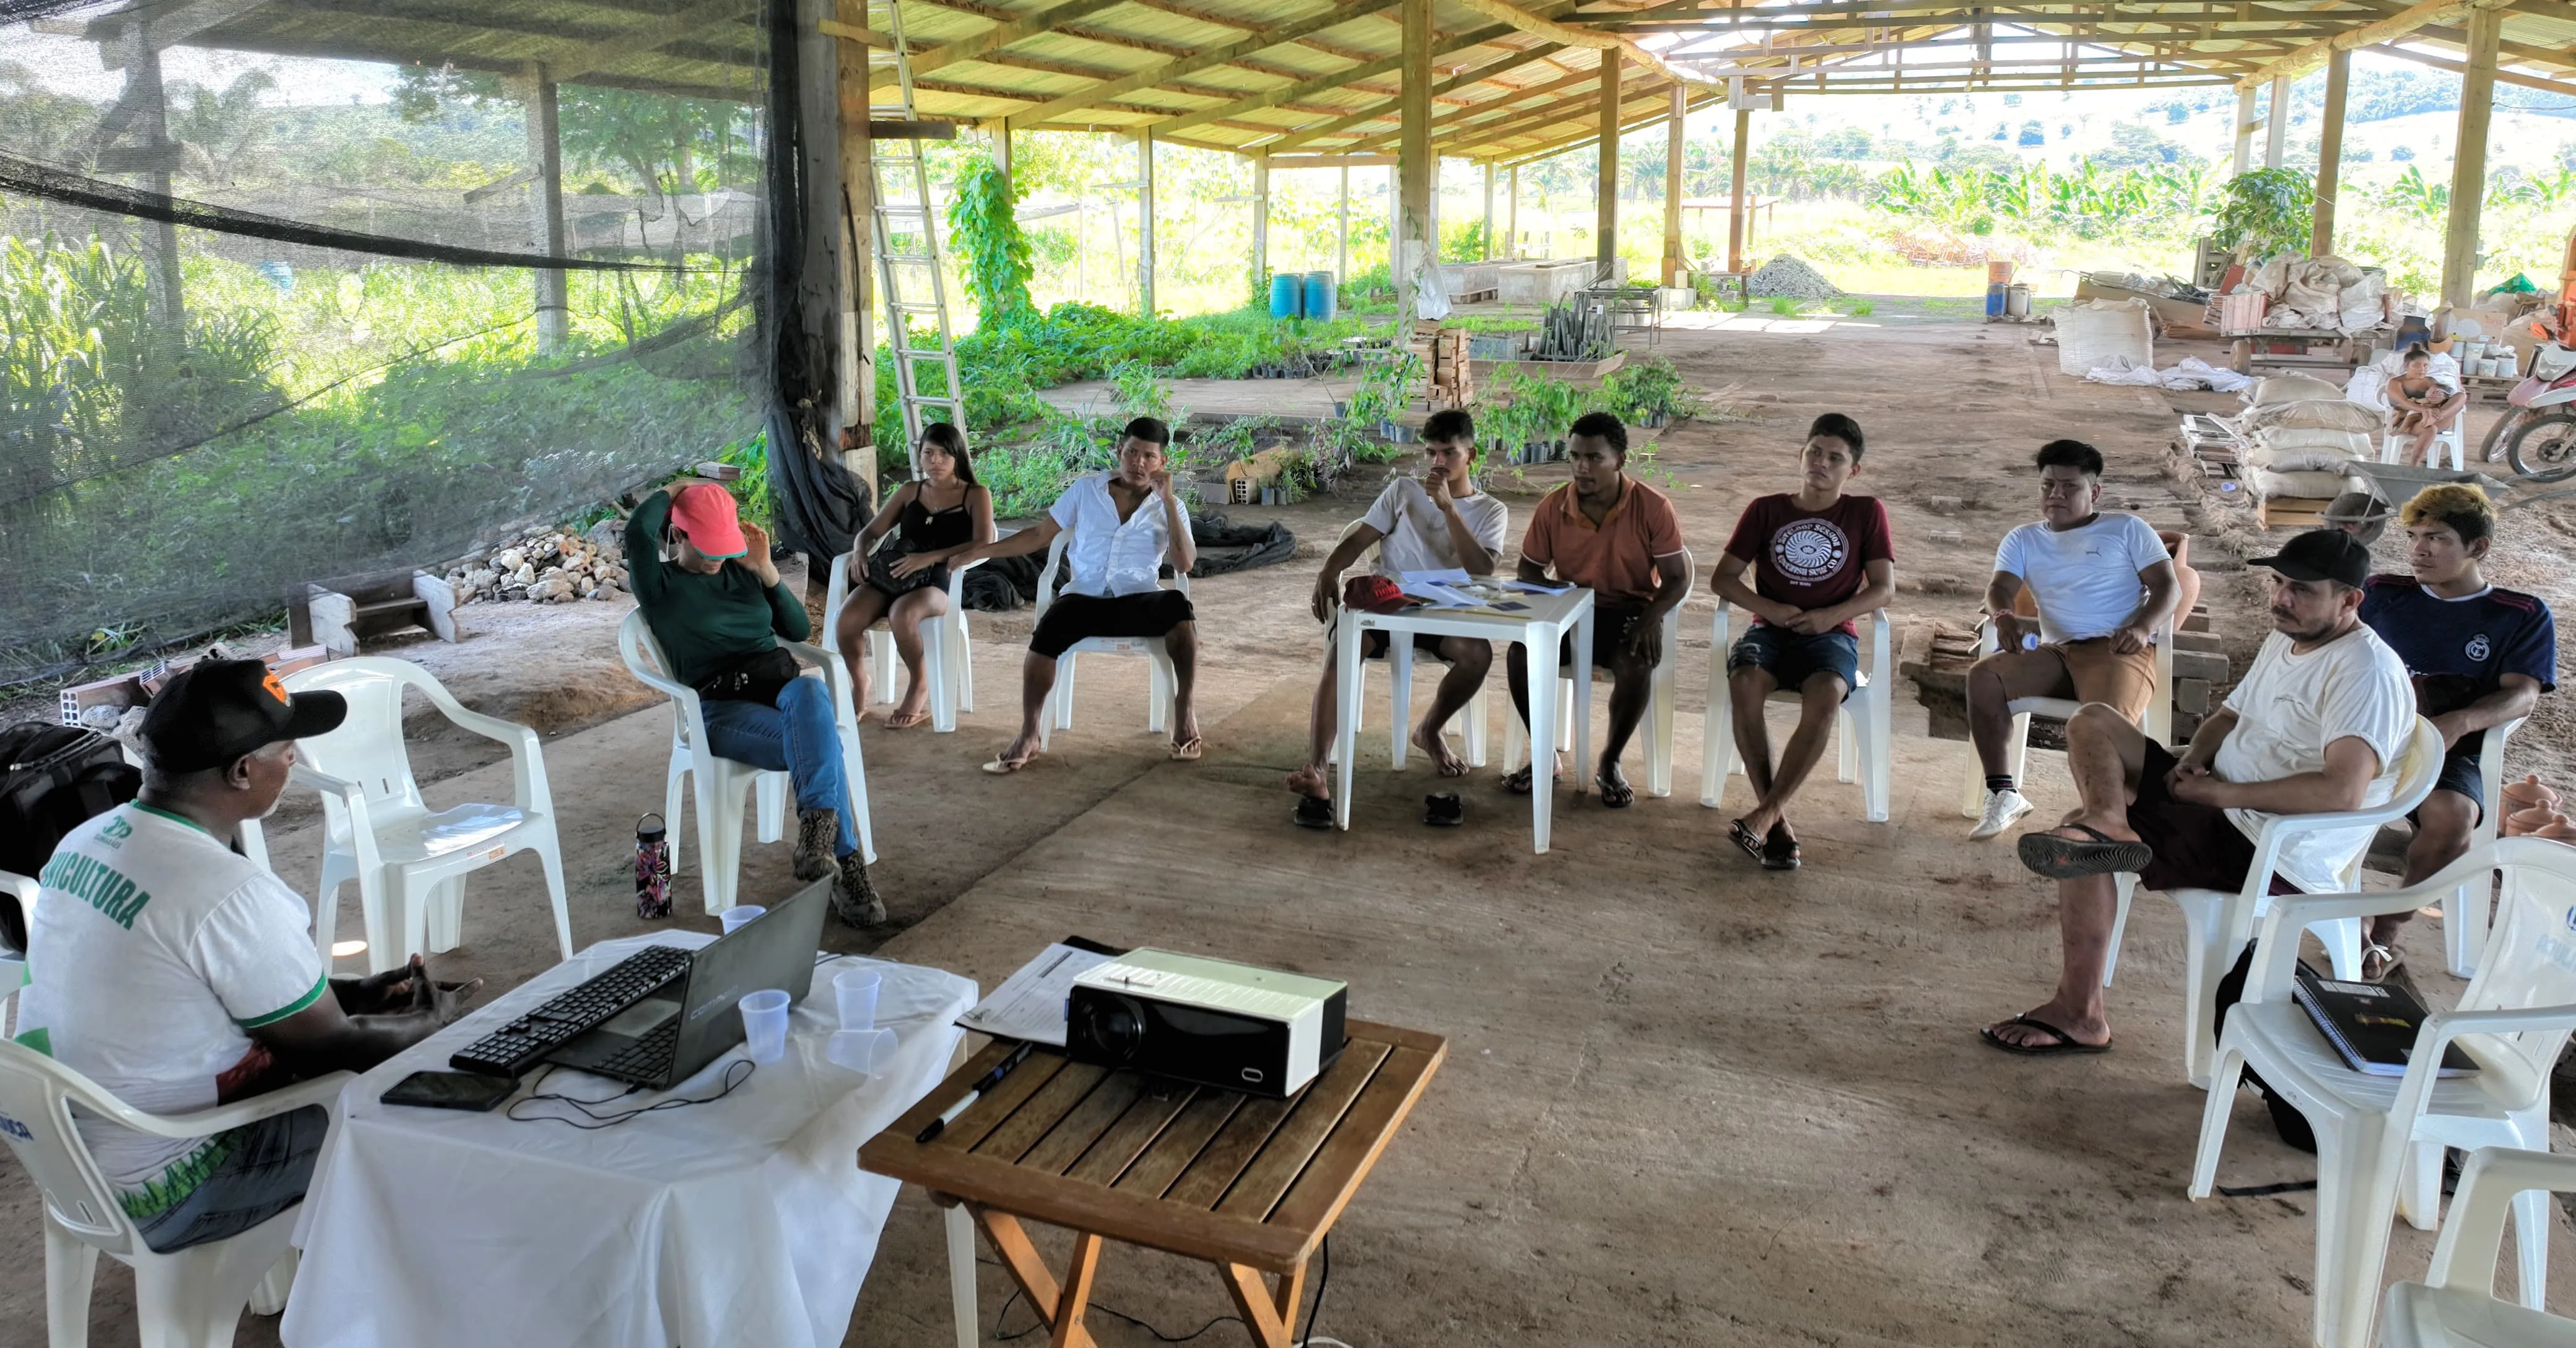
(797, 737)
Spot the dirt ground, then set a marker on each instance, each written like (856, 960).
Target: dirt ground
(1686, 1102)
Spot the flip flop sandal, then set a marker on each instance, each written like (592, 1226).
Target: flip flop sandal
(906, 722)
(1616, 793)
(1518, 782)
(1745, 838)
(1003, 767)
(1314, 812)
(2066, 1043)
(2371, 950)
(1780, 852)
(1189, 750)
(2058, 858)
(1444, 811)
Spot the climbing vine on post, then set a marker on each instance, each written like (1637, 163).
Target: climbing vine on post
(990, 246)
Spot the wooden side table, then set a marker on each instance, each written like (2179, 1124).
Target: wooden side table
(1247, 1184)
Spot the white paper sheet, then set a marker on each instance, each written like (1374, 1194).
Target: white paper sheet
(1030, 1003)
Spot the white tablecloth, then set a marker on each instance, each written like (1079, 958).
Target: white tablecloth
(742, 1222)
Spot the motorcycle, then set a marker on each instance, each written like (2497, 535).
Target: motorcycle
(2537, 433)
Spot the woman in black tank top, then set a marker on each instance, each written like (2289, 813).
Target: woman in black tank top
(928, 520)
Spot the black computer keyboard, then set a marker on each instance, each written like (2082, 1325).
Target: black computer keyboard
(514, 1048)
(646, 1059)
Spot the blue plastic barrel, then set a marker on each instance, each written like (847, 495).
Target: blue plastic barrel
(1995, 294)
(1283, 295)
(1319, 295)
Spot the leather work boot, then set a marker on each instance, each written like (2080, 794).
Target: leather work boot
(816, 832)
(854, 897)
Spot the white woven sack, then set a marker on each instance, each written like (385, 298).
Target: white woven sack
(2277, 459)
(2349, 444)
(2088, 337)
(2294, 388)
(2309, 485)
(2320, 414)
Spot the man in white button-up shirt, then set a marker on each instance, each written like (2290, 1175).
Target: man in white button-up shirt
(1124, 522)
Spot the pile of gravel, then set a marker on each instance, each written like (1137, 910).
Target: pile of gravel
(1786, 275)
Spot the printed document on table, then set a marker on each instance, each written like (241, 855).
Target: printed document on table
(1030, 1004)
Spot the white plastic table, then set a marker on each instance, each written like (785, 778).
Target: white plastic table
(741, 1221)
(1541, 628)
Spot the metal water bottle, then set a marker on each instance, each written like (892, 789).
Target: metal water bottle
(652, 868)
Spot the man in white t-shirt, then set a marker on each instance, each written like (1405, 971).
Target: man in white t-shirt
(2316, 726)
(2102, 584)
(1437, 521)
(178, 975)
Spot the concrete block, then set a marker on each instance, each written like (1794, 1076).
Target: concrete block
(2199, 641)
(2191, 695)
(2199, 665)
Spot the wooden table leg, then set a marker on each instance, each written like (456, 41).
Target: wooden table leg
(1270, 1315)
(1077, 1291)
(1011, 1242)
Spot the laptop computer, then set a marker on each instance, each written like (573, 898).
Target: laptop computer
(689, 1022)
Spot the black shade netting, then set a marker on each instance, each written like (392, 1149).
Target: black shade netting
(305, 290)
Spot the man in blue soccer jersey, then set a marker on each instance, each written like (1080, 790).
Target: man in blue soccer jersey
(2480, 656)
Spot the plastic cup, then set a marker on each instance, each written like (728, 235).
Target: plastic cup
(764, 1024)
(856, 991)
(735, 916)
(861, 1051)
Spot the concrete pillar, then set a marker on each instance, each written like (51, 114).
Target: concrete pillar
(2276, 126)
(2244, 152)
(1735, 220)
(1342, 228)
(1260, 226)
(854, 372)
(1674, 259)
(545, 207)
(1489, 211)
(1605, 227)
(1414, 242)
(1145, 223)
(2330, 153)
(2469, 158)
(169, 292)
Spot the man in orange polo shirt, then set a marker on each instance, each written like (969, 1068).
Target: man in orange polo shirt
(1618, 538)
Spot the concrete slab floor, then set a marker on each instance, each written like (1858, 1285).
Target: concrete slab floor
(1686, 1102)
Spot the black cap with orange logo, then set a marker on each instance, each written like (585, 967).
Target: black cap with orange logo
(212, 713)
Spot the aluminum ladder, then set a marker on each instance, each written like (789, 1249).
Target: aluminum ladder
(906, 244)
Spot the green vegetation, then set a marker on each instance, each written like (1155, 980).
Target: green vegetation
(2269, 210)
(990, 247)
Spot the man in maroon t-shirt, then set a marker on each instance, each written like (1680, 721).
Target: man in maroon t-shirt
(1819, 559)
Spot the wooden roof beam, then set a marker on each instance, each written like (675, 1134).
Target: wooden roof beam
(1577, 142)
(2513, 77)
(1346, 78)
(1331, 18)
(2397, 25)
(1384, 108)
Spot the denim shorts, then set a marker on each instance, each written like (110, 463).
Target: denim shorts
(1792, 657)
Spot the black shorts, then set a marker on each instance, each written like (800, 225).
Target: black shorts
(2462, 772)
(1078, 617)
(1373, 644)
(2196, 846)
(1610, 629)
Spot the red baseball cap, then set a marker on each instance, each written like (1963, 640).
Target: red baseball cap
(705, 512)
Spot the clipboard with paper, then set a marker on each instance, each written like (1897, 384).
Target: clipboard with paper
(1030, 1004)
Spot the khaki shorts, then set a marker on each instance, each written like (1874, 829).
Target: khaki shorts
(2101, 674)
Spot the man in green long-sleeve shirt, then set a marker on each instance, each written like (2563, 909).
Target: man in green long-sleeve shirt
(708, 589)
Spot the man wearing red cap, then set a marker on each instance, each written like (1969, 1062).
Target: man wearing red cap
(711, 594)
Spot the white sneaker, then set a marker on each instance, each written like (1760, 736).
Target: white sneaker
(2002, 808)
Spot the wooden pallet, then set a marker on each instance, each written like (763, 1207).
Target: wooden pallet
(2292, 512)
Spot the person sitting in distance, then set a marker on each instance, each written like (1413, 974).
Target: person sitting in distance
(1618, 538)
(2421, 405)
(705, 583)
(1124, 523)
(2480, 656)
(1436, 521)
(1819, 560)
(2315, 726)
(2103, 584)
(934, 517)
(179, 975)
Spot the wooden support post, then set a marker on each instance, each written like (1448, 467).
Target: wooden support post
(1260, 225)
(169, 295)
(2244, 156)
(1002, 149)
(1735, 221)
(2330, 153)
(1145, 223)
(1342, 231)
(855, 398)
(1512, 225)
(1605, 224)
(545, 206)
(1488, 232)
(2276, 123)
(2469, 158)
(1415, 166)
(1673, 257)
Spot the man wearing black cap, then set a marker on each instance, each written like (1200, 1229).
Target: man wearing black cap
(177, 975)
(2315, 726)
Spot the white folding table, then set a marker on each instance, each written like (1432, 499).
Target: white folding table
(1541, 628)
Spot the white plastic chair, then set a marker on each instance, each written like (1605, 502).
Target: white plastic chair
(2453, 440)
(2464, 914)
(189, 1299)
(1866, 735)
(410, 862)
(2216, 925)
(718, 784)
(2380, 1139)
(1472, 718)
(947, 656)
(1164, 684)
(13, 970)
(2455, 1305)
(1661, 698)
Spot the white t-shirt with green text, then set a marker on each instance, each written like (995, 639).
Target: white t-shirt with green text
(153, 950)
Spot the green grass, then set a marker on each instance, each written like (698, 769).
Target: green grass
(1786, 307)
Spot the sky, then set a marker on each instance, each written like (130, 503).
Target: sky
(70, 65)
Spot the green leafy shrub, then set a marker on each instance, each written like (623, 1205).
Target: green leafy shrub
(2269, 210)
(990, 247)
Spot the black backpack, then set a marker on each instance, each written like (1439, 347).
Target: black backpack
(52, 779)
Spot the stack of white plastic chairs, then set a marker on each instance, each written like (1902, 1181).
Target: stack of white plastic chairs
(2303, 439)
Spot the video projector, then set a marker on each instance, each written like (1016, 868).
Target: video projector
(1204, 1021)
